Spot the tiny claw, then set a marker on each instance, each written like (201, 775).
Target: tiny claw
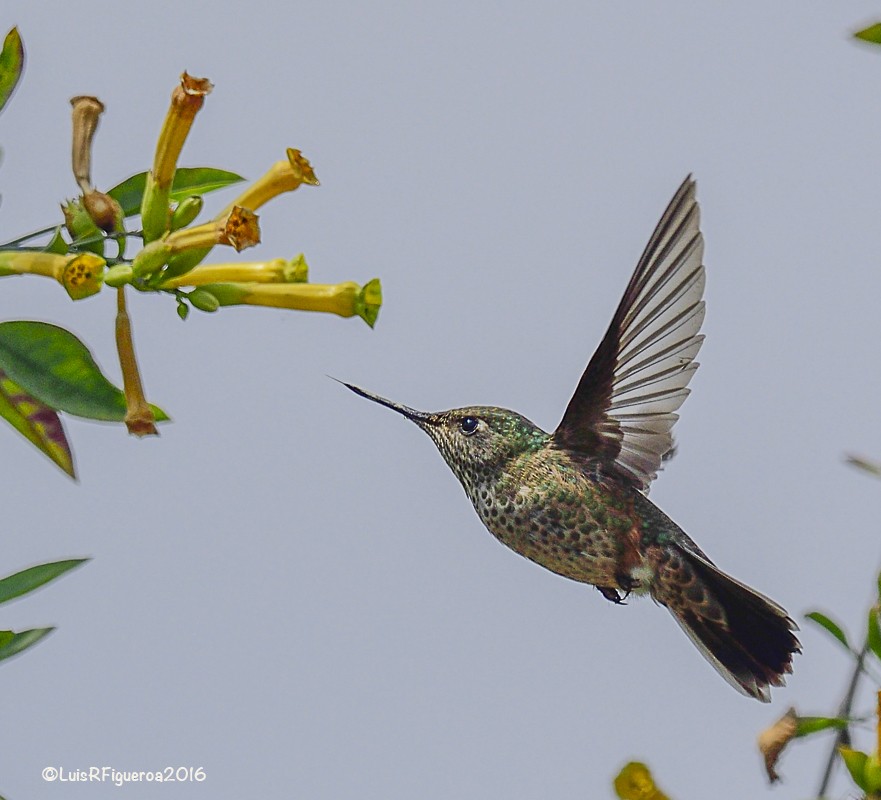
(626, 583)
(612, 595)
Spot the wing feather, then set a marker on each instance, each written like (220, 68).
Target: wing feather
(623, 409)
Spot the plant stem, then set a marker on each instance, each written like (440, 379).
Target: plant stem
(842, 738)
(27, 236)
(139, 418)
(878, 728)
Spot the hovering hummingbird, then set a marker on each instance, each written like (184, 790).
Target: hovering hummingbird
(574, 501)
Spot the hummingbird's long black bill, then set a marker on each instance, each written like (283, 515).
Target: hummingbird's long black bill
(419, 417)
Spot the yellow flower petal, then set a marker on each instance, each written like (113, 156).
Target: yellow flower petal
(635, 782)
(83, 276)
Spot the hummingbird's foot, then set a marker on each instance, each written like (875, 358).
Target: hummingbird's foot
(612, 595)
(626, 583)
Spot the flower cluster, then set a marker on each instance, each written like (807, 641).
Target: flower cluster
(174, 249)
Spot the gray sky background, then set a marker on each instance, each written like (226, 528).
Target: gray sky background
(289, 587)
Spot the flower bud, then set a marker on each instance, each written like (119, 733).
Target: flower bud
(80, 225)
(187, 210)
(151, 259)
(119, 275)
(104, 211)
(203, 300)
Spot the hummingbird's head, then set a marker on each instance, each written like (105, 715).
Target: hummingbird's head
(476, 441)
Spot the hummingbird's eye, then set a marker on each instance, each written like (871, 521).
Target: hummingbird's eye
(468, 425)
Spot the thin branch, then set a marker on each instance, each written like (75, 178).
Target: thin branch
(842, 738)
(27, 236)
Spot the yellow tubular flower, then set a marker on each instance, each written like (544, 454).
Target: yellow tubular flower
(345, 299)
(186, 100)
(282, 176)
(276, 271)
(81, 275)
(17, 262)
(239, 229)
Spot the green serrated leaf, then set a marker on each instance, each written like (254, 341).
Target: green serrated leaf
(22, 641)
(874, 632)
(870, 34)
(188, 181)
(55, 367)
(805, 726)
(11, 65)
(32, 578)
(38, 423)
(855, 761)
(833, 628)
(57, 244)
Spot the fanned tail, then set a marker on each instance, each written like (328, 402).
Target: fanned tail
(748, 638)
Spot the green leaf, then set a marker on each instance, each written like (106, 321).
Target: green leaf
(874, 633)
(805, 726)
(38, 423)
(855, 761)
(54, 366)
(32, 578)
(870, 34)
(11, 65)
(57, 244)
(188, 181)
(824, 622)
(21, 641)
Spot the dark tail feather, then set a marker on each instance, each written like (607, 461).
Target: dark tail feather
(748, 638)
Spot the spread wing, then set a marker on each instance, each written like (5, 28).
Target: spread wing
(624, 407)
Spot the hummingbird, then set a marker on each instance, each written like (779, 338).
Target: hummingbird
(575, 501)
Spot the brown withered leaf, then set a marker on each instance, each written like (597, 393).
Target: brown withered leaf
(772, 741)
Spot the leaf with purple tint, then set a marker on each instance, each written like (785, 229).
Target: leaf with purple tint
(38, 423)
